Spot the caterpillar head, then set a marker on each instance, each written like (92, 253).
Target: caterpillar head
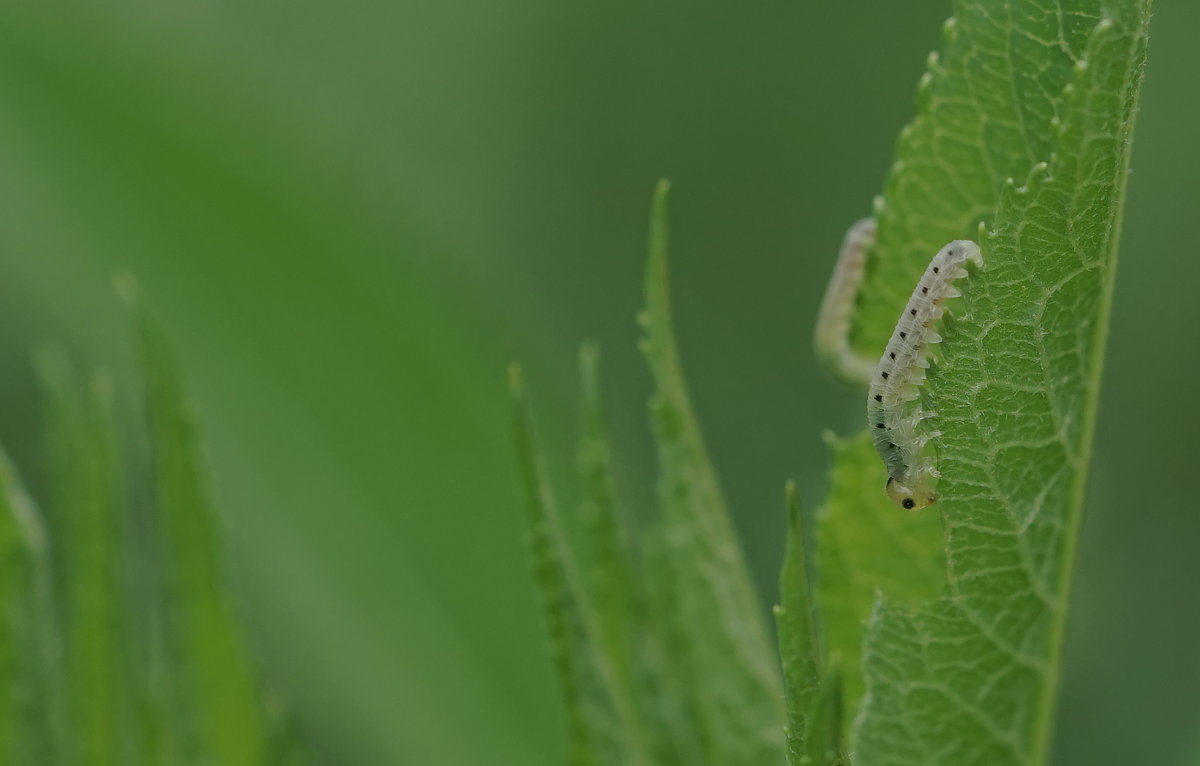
(910, 498)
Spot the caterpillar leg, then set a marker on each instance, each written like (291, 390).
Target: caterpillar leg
(832, 336)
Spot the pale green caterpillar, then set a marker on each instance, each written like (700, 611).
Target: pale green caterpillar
(894, 411)
(832, 336)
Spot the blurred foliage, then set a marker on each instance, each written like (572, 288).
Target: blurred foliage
(695, 679)
(98, 670)
(351, 217)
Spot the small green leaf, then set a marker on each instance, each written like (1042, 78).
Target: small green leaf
(219, 712)
(799, 648)
(602, 728)
(824, 745)
(609, 557)
(670, 709)
(628, 622)
(864, 547)
(733, 668)
(32, 707)
(87, 493)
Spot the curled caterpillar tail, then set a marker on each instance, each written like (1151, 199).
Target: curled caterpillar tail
(832, 336)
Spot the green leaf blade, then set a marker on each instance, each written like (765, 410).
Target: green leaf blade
(32, 679)
(602, 727)
(733, 667)
(84, 464)
(813, 689)
(799, 649)
(22, 726)
(865, 547)
(971, 677)
(986, 108)
(219, 711)
(602, 524)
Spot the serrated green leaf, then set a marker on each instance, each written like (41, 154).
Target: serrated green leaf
(630, 632)
(86, 487)
(608, 554)
(864, 546)
(798, 647)
(986, 107)
(220, 718)
(825, 743)
(602, 728)
(733, 666)
(672, 715)
(971, 677)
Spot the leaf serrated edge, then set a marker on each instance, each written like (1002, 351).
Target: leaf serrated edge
(1139, 38)
(737, 697)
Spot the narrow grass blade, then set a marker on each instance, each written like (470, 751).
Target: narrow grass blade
(219, 708)
(87, 490)
(733, 664)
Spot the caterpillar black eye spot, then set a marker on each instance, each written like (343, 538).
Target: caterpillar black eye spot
(908, 503)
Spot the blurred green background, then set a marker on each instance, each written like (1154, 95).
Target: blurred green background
(352, 216)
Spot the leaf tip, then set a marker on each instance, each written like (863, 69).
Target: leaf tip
(127, 288)
(832, 440)
(950, 29)
(791, 497)
(516, 381)
(878, 205)
(589, 354)
(589, 376)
